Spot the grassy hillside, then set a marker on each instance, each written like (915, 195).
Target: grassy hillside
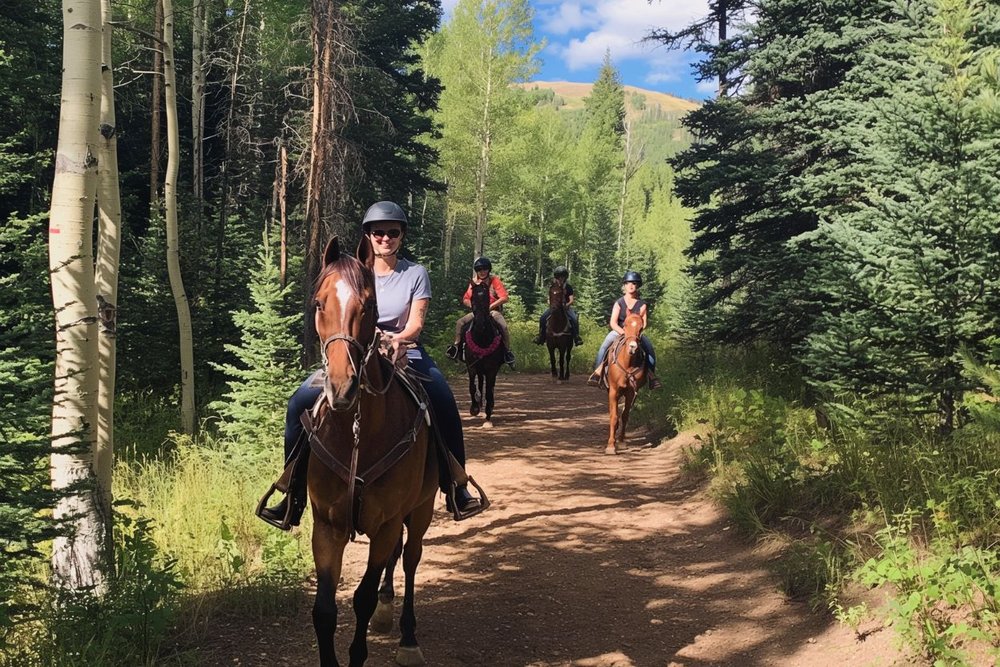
(637, 100)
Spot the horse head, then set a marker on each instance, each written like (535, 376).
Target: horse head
(481, 302)
(633, 331)
(557, 295)
(346, 315)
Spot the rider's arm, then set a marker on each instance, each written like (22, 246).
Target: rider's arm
(569, 300)
(613, 322)
(643, 311)
(467, 297)
(501, 293)
(415, 322)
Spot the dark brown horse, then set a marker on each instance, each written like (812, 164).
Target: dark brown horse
(558, 335)
(484, 352)
(366, 421)
(626, 373)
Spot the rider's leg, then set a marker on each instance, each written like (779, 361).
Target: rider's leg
(574, 325)
(301, 400)
(448, 419)
(508, 356)
(595, 377)
(653, 381)
(452, 350)
(543, 321)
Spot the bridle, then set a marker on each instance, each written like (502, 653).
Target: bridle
(360, 370)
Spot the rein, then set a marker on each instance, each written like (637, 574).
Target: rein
(630, 371)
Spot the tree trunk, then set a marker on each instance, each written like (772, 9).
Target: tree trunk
(170, 205)
(155, 103)
(106, 275)
(449, 231)
(199, 29)
(483, 173)
(541, 242)
(632, 163)
(721, 12)
(78, 558)
(283, 210)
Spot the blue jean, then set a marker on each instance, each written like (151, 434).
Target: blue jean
(574, 322)
(442, 402)
(610, 338)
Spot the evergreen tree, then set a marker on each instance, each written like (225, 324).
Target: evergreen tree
(912, 274)
(266, 372)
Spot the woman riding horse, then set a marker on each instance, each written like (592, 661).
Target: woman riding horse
(483, 354)
(629, 303)
(561, 274)
(482, 275)
(403, 291)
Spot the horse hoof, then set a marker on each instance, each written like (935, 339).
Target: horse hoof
(474, 412)
(487, 424)
(382, 618)
(610, 450)
(409, 656)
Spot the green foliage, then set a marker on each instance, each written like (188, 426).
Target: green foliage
(946, 595)
(908, 275)
(265, 374)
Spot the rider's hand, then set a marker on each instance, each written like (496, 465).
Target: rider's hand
(397, 352)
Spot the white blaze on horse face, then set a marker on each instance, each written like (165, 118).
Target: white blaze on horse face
(344, 294)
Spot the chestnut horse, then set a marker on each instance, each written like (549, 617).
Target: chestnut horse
(366, 420)
(557, 332)
(484, 351)
(626, 372)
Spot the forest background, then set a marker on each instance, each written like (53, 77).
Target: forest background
(819, 244)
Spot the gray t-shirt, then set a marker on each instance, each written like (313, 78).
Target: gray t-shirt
(397, 290)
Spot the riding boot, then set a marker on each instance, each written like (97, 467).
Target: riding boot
(652, 381)
(292, 483)
(595, 378)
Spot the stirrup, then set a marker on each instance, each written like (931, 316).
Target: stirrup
(293, 510)
(459, 515)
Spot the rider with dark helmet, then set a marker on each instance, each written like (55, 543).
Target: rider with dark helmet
(402, 292)
(482, 268)
(627, 304)
(561, 273)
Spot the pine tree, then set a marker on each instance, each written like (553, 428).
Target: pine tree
(266, 370)
(912, 274)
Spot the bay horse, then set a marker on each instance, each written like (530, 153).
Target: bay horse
(626, 373)
(368, 421)
(484, 353)
(558, 335)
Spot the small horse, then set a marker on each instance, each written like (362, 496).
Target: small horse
(367, 419)
(626, 373)
(484, 352)
(558, 335)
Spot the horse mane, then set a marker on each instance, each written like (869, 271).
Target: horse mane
(358, 276)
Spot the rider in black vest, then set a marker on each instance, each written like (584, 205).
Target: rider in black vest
(561, 274)
(628, 304)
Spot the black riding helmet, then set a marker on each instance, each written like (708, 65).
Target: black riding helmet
(632, 277)
(483, 263)
(561, 272)
(383, 211)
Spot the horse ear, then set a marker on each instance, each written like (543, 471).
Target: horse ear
(332, 252)
(365, 254)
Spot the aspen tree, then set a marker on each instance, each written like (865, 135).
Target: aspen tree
(77, 556)
(170, 206)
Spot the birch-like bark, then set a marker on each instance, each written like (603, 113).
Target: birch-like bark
(283, 211)
(109, 216)
(78, 558)
(173, 235)
(632, 163)
(199, 29)
(155, 102)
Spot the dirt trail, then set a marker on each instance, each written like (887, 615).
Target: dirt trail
(584, 559)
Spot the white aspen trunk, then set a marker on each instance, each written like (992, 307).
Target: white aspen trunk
(541, 242)
(78, 559)
(170, 205)
(624, 189)
(199, 29)
(155, 121)
(282, 207)
(449, 231)
(482, 179)
(106, 273)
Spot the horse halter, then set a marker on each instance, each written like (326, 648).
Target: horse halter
(360, 370)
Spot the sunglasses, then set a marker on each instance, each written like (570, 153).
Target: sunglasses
(391, 233)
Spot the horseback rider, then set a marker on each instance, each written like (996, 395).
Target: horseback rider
(402, 291)
(628, 303)
(482, 269)
(561, 274)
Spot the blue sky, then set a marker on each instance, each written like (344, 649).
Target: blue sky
(578, 32)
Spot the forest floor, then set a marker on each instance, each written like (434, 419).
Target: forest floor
(583, 559)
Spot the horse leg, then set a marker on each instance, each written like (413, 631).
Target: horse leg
(552, 361)
(623, 420)
(569, 355)
(382, 619)
(383, 544)
(474, 407)
(409, 653)
(328, 552)
(613, 418)
(491, 382)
